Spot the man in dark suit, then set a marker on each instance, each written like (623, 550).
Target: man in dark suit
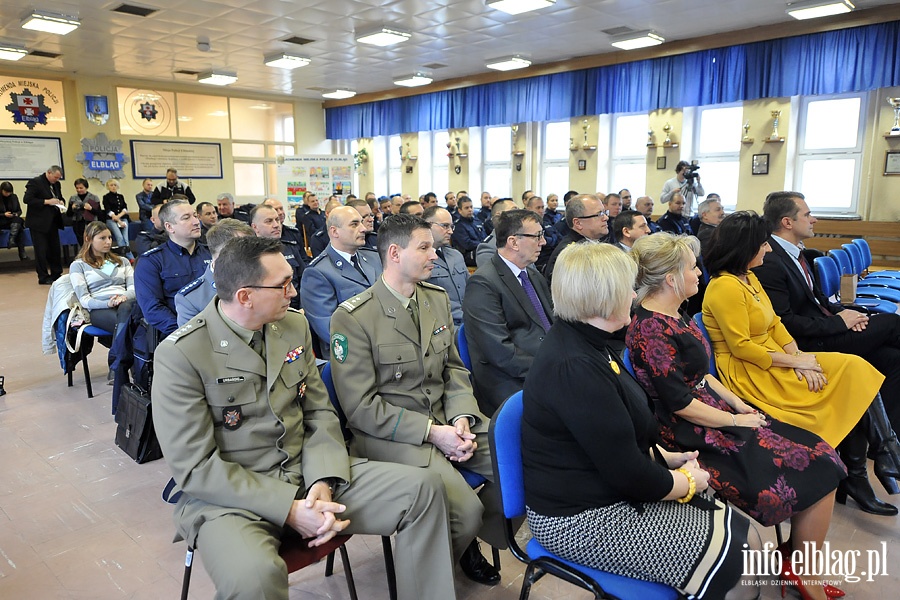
(43, 196)
(507, 310)
(817, 324)
(586, 221)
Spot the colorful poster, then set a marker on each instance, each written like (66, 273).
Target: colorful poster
(323, 175)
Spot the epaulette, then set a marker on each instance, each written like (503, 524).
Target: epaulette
(367, 249)
(186, 329)
(153, 250)
(191, 286)
(296, 310)
(356, 301)
(318, 259)
(438, 288)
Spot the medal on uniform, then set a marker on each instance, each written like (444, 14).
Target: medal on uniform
(232, 418)
(301, 391)
(293, 354)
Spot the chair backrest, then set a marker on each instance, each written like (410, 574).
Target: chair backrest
(506, 446)
(828, 274)
(462, 344)
(856, 260)
(67, 237)
(840, 256)
(698, 319)
(626, 358)
(864, 249)
(332, 395)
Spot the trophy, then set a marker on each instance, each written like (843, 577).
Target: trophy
(650, 141)
(457, 145)
(746, 137)
(408, 151)
(585, 126)
(515, 133)
(895, 104)
(776, 117)
(572, 145)
(668, 130)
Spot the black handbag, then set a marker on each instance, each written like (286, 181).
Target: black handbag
(135, 434)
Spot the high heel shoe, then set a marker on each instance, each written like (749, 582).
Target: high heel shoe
(788, 576)
(856, 485)
(861, 491)
(883, 446)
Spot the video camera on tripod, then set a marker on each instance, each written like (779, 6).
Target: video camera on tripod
(690, 172)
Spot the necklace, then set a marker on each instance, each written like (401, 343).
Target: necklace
(612, 364)
(753, 291)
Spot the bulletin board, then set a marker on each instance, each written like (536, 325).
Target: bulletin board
(323, 174)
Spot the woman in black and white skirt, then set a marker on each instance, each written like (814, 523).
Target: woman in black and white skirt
(599, 491)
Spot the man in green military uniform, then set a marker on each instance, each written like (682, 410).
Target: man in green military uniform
(252, 440)
(405, 391)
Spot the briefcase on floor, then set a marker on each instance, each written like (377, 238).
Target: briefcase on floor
(135, 434)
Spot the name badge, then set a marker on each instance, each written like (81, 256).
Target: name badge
(237, 379)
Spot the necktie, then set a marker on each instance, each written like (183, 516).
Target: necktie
(413, 309)
(258, 343)
(535, 301)
(807, 274)
(355, 260)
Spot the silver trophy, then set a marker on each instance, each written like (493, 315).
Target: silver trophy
(776, 117)
(895, 104)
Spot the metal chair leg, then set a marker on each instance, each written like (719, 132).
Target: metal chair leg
(345, 560)
(389, 566)
(186, 580)
(329, 565)
(87, 374)
(778, 535)
(496, 557)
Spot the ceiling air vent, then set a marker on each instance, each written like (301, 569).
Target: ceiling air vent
(298, 40)
(138, 11)
(187, 72)
(618, 30)
(42, 54)
(434, 66)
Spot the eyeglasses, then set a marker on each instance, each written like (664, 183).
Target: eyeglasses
(283, 287)
(599, 214)
(444, 226)
(538, 236)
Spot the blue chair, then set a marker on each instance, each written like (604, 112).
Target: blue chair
(866, 252)
(840, 256)
(85, 346)
(4, 238)
(861, 259)
(462, 344)
(698, 320)
(67, 237)
(626, 358)
(506, 448)
(882, 289)
(828, 275)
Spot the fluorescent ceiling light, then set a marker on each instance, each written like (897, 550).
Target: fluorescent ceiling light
(48, 22)
(217, 77)
(261, 106)
(283, 60)
(508, 63)
(637, 39)
(515, 7)
(383, 36)
(415, 80)
(339, 94)
(12, 51)
(813, 9)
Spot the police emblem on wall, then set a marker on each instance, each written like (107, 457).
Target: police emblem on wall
(97, 109)
(102, 158)
(147, 112)
(28, 109)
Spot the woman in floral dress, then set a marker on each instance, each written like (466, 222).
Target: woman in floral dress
(769, 469)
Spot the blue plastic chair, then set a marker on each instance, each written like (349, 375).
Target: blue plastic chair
(866, 252)
(883, 289)
(840, 256)
(861, 266)
(829, 277)
(626, 358)
(462, 344)
(67, 237)
(698, 319)
(506, 448)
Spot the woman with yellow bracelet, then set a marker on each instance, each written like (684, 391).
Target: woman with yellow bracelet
(598, 490)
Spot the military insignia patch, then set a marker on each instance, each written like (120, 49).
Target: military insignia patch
(232, 417)
(293, 354)
(28, 109)
(339, 347)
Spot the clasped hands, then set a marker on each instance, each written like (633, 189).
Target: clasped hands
(688, 460)
(455, 442)
(314, 516)
(854, 320)
(807, 367)
(116, 300)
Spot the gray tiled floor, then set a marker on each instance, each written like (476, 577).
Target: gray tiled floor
(79, 519)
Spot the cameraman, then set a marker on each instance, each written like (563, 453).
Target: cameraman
(686, 181)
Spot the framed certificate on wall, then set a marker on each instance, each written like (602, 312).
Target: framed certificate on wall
(892, 162)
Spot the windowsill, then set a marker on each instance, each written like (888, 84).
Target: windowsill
(837, 216)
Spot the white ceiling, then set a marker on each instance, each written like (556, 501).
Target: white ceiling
(461, 34)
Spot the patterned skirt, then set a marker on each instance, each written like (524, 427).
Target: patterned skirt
(696, 550)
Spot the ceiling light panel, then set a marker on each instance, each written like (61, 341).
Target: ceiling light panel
(12, 51)
(383, 36)
(48, 22)
(637, 39)
(339, 94)
(508, 63)
(813, 9)
(515, 7)
(417, 79)
(217, 77)
(283, 60)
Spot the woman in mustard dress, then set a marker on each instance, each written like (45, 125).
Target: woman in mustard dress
(826, 393)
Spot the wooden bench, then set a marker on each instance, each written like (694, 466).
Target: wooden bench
(883, 238)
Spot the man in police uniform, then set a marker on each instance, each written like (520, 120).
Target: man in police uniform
(450, 271)
(405, 390)
(194, 297)
(264, 221)
(291, 237)
(164, 270)
(345, 269)
(256, 448)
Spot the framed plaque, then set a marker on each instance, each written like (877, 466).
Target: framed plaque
(892, 162)
(760, 164)
(193, 160)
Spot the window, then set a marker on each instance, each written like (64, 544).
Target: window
(628, 159)
(555, 159)
(718, 141)
(497, 167)
(829, 152)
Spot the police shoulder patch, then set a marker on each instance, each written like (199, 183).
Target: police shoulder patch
(191, 286)
(317, 259)
(432, 286)
(153, 250)
(356, 301)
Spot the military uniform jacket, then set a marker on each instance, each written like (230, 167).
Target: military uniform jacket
(451, 273)
(240, 436)
(391, 379)
(193, 298)
(330, 280)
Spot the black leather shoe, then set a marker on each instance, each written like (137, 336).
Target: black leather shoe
(859, 489)
(476, 567)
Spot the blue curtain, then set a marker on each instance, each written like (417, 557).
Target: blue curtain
(848, 60)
